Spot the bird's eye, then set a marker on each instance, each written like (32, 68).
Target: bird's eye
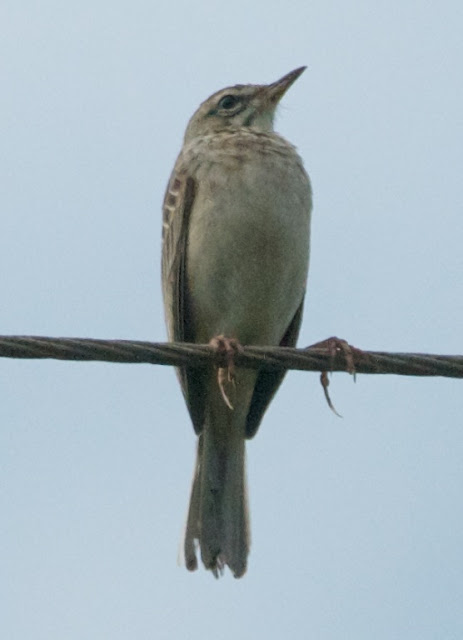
(228, 102)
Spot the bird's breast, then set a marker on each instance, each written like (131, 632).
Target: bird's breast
(248, 239)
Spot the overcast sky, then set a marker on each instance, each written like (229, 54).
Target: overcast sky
(357, 523)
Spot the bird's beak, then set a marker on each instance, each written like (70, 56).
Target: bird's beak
(275, 91)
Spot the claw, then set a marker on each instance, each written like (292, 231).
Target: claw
(222, 378)
(226, 375)
(324, 380)
(334, 346)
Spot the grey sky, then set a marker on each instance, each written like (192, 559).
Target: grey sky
(357, 524)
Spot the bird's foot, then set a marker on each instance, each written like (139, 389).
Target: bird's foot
(335, 347)
(228, 347)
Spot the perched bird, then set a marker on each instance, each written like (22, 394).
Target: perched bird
(235, 259)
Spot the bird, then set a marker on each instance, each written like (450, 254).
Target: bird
(235, 257)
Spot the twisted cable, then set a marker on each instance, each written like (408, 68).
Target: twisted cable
(180, 354)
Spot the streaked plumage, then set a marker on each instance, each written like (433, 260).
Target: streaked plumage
(235, 260)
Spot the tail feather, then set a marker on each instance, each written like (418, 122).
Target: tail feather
(192, 533)
(218, 519)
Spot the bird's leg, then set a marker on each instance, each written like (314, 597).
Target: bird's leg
(228, 347)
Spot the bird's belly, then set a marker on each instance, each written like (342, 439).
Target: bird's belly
(247, 258)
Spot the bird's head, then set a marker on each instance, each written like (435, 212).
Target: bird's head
(240, 106)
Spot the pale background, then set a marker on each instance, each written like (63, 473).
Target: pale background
(357, 523)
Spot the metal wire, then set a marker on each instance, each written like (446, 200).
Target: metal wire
(316, 358)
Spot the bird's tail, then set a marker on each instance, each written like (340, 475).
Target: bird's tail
(218, 519)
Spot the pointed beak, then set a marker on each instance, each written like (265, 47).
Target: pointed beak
(275, 91)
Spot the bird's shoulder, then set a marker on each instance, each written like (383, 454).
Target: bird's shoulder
(223, 150)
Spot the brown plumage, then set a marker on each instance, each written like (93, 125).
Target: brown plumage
(235, 259)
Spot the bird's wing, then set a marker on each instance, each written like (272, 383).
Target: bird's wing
(268, 381)
(177, 207)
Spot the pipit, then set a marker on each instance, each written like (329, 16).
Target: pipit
(234, 269)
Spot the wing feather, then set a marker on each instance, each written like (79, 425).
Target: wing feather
(178, 204)
(267, 382)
